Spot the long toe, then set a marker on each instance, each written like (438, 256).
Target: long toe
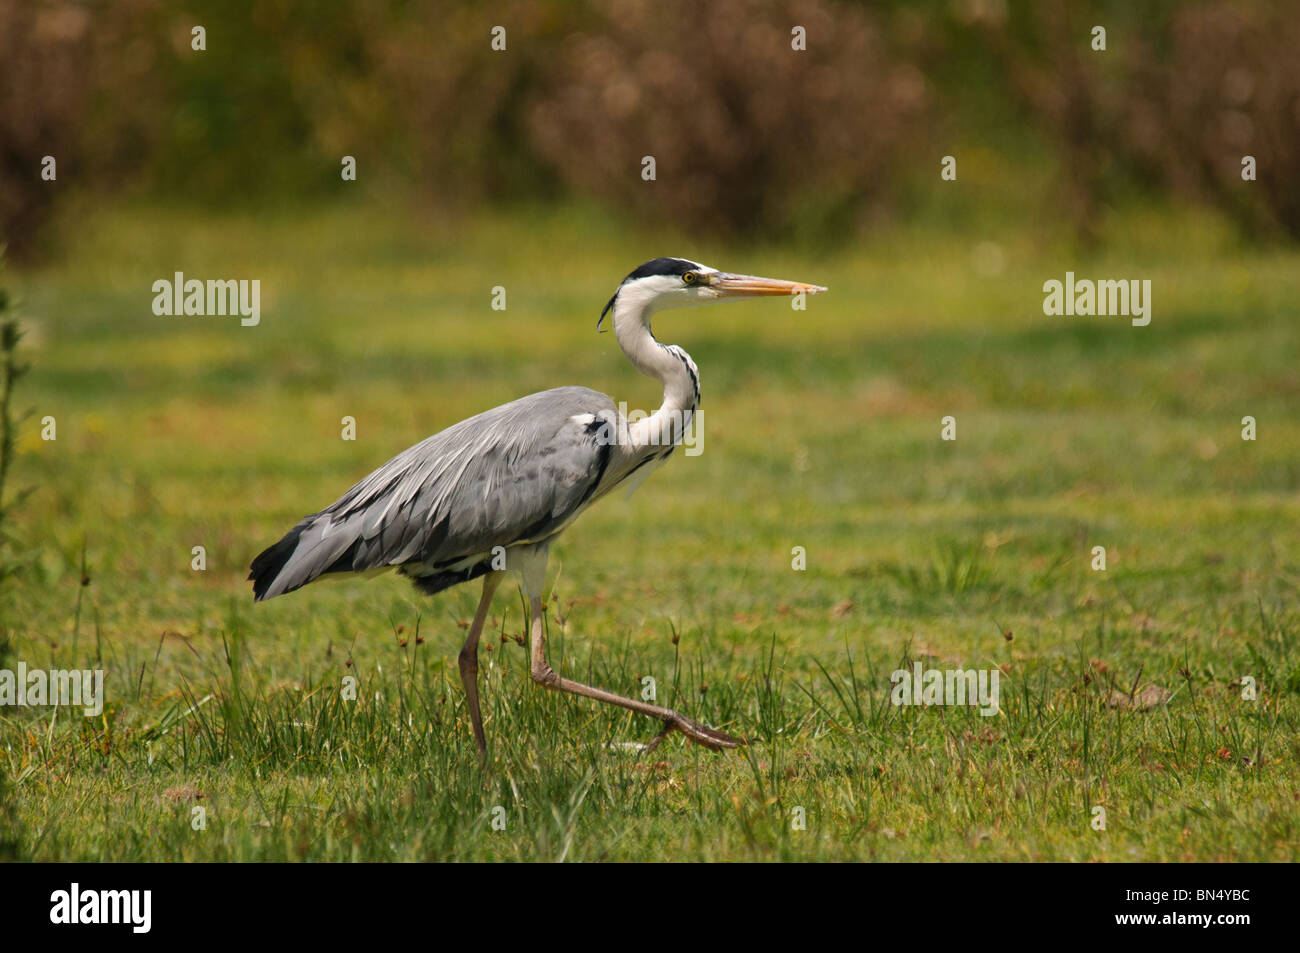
(654, 742)
(711, 738)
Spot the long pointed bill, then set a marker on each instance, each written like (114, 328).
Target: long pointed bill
(749, 286)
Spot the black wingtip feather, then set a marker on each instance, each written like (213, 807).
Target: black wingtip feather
(270, 561)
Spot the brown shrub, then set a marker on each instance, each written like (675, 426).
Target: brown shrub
(1175, 103)
(1230, 87)
(445, 105)
(77, 84)
(43, 94)
(746, 132)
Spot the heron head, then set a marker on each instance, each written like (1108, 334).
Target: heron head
(679, 282)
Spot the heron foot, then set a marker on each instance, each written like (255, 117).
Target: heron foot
(711, 738)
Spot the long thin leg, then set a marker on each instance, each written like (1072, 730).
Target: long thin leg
(469, 660)
(545, 676)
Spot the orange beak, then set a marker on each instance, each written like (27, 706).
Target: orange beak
(750, 286)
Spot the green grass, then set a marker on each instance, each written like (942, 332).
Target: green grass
(821, 431)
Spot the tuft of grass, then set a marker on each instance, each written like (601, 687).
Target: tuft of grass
(952, 570)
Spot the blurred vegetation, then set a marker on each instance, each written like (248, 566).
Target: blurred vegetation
(748, 135)
(10, 371)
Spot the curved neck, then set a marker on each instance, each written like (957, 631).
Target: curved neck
(666, 363)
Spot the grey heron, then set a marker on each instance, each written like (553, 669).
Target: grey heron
(490, 494)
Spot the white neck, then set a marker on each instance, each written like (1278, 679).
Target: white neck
(666, 363)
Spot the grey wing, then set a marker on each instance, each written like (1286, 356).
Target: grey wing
(516, 473)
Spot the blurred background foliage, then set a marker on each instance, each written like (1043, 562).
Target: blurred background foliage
(748, 136)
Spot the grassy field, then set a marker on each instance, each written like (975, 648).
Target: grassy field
(821, 430)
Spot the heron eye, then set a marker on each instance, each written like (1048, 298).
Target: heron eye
(689, 277)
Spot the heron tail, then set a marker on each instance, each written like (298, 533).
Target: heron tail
(268, 564)
(314, 547)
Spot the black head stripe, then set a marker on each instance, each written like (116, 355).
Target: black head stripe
(606, 311)
(656, 266)
(663, 266)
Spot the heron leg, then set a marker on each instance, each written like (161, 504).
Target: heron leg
(544, 675)
(469, 660)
